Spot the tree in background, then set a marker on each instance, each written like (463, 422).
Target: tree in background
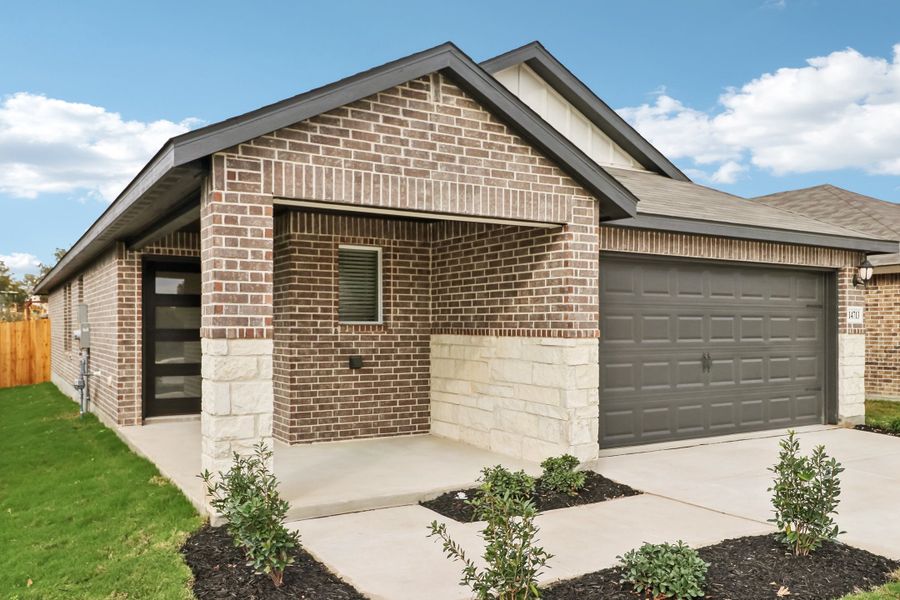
(12, 294)
(15, 292)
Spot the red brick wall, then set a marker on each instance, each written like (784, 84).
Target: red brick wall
(236, 237)
(96, 285)
(882, 320)
(507, 280)
(317, 396)
(422, 145)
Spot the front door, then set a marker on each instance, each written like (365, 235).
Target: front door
(171, 337)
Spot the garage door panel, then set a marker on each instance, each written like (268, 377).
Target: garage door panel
(763, 330)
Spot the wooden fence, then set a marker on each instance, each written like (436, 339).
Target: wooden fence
(24, 352)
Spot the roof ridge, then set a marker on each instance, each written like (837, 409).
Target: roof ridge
(838, 193)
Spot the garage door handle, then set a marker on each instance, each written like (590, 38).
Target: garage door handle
(706, 362)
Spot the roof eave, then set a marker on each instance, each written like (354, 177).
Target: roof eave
(549, 68)
(764, 234)
(160, 172)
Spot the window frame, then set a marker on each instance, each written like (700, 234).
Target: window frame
(379, 283)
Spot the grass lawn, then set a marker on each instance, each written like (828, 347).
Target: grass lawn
(881, 412)
(890, 591)
(80, 515)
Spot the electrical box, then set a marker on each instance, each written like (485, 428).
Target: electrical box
(83, 335)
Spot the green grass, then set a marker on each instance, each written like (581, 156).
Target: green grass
(81, 516)
(880, 413)
(891, 591)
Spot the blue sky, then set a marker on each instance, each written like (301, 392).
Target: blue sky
(89, 90)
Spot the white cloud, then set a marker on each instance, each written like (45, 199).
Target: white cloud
(49, 145)
(840, 111)
(21, 262)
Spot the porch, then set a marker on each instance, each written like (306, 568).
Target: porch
(331, 478)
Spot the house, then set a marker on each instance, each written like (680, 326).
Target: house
(485, 252)
(882, 317)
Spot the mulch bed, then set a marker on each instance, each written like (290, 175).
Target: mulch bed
(597, 488)
(871, 429)
(755, 568)
(220, 571)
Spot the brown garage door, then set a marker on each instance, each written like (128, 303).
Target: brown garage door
(691, 349)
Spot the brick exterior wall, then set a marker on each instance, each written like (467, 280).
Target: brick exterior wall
(317, 396)
(96, 285)
(882, 320)
(423, 145)
(503, 280)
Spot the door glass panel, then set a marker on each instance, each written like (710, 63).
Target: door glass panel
(178, 386)
(175, 282)
(177, 353)
(178, 317)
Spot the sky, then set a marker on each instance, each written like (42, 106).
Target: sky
(751, 96)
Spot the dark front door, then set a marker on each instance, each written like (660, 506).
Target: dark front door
(691, 349)
(171, 337)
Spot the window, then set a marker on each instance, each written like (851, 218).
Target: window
(359, 291)
(67, 317)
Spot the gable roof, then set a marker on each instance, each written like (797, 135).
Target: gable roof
(831, 204)
(175, 170)
(586, 101)
(673, 205)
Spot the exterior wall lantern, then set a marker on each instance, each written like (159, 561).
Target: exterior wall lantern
(864, 273)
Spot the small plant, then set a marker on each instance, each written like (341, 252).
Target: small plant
(805, 496)
(665, 571)
(560, 475)
(247, 497)
(499, 480)
(513, 560)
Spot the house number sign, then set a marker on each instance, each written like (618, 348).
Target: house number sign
(854, 315)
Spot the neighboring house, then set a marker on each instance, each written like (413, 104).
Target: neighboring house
(484, 252)
(882, 317)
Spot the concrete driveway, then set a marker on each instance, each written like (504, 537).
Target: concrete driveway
(732, 478)
(702, 494)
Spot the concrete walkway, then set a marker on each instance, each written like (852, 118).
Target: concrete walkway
(332, 478)
(385, 553)
(732, 478)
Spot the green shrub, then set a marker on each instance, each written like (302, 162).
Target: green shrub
(247, 497)
(513, 560)
(560, 475)
(665, 571)
(499, 480)
(805, 496)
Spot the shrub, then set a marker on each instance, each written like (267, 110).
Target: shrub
(513, 560)
(805, 496)
(665, 571)
(247, 497)
(499, 480)
(560, 475)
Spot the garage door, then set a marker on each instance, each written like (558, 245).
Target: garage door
(690, 349)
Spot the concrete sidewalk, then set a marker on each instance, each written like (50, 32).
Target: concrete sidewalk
(386, 555)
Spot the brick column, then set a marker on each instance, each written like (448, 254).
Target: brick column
(851, 373)
(236, 239)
